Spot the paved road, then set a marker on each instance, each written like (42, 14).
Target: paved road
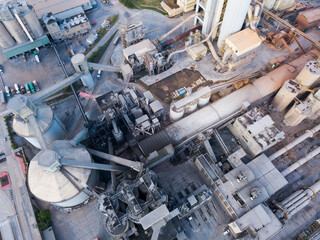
(21, 200)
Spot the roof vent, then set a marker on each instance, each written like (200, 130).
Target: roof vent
(241, 176)
(254, 193)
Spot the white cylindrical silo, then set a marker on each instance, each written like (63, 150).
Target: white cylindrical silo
(204, 100)
(289, 90)
(49, 184)
(310, 74)
(283, 4)
(11, 24)
(80, 64)
(191, 107)
(51, 127)
(298, 113)
(6, 41)
(176, 114)
(269, 4)
(33, 23)
(233, 19)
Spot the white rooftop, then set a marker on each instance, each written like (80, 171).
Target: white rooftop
(145, 46)
(260, 220)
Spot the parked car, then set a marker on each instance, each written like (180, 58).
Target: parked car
(32, 90)
(22, 89)
(27, 88)
(99, 74)
(9, 95)
(36, 85)
(1, 69)
(16, 86)
(24, 59)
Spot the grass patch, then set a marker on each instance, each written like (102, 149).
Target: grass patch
(97, 55)
(112, 20)
(144, 4)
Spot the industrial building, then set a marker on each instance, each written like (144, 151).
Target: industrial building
(67, 24)
(43, 7)
(228, 151)
(20, 29)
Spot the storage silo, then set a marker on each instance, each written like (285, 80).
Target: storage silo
(289, 90)
(30, 18)
(51, 127)
(12, 25)
(233, 19)
(176, 114)
(310, 74)
(298, 113)
(49, 183)
(80, 64)
(6, 40)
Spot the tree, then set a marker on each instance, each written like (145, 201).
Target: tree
(43, 219)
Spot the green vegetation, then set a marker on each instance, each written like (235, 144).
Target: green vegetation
(97, 55)
(43, 219)
(11, 133)
(144, 4)
(112, 20)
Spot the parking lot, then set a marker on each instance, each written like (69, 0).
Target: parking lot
(46, 73)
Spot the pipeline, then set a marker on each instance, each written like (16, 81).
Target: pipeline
(180, 37)
(224, 107)
(300, 162)
(307, 134)
(297, 201)
(179, 25)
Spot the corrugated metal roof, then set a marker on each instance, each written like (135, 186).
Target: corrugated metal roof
(154, 142)
(19, 49)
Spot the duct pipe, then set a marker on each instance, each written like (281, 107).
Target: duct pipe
(307, 134)
(79, 137)
(137, 166)
(23, 26)
(33, 122)
(226, 106)
(179, 25)
(292, 196)
(300, 162)
(113, 174)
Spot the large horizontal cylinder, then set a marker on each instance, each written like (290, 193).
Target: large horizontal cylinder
(226, 106)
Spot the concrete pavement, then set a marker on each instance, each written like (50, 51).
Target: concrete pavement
(26, 225)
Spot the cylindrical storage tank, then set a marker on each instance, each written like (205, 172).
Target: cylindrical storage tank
(33, 23)
(6, 40)
(136, 217)
(154, 179)
(176, 114)
(51, 127)
(233, 19)
(15, 30)
(118, 230)
(310, 74)
(122, 185)
(289, 90)
(283, 4)
(49, 184)
(191, 107)
(204, 100)
(80, 64)
(298, 113)
(269, 4)
(164, 199)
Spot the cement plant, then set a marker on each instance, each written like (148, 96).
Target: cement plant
(160, 119)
